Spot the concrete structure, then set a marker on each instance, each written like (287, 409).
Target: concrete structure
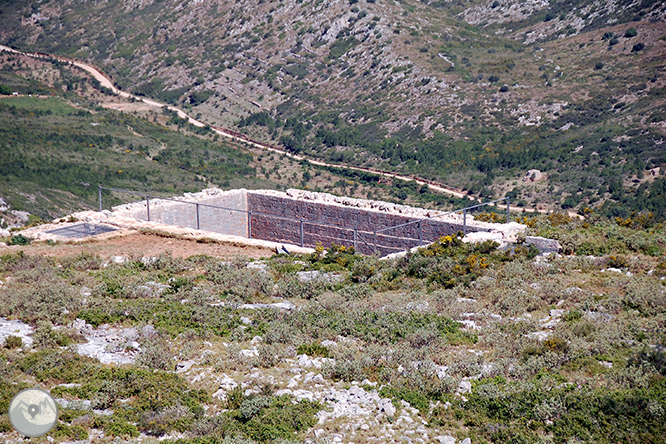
(306, 219)
(203, 211)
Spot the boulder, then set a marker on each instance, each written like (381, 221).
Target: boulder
(465, 386)
(544, 245)
(387, 408)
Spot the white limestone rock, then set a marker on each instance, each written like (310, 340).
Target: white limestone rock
(465, 386)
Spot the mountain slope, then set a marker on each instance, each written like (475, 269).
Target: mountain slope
(473, 93)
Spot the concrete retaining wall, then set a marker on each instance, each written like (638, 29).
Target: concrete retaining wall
(184, 215)
(305, 219)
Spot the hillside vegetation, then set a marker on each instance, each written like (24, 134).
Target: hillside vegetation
(473, 94)
(64, 134)
(454, 341)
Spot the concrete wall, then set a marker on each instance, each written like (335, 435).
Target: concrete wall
(303, 218)
(181, 214)
(272, 219)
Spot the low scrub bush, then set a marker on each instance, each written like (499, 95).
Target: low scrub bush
(19, 240)
(291, 287)
(172, 317)
(156, 353)
(13, 342)
(451, 262)
(234, 280)
(372, 326)
(530, 411)
(314, 350)
(258, 418)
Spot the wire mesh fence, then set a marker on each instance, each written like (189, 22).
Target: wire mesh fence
(367, 239)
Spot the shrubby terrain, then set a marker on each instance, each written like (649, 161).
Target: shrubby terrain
(65, 134)
(463, 341)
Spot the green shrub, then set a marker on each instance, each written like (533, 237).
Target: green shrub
(525, 411)
(614, 261)
(37, 293)
(19, 240)
(172, 317)
(314, 350)
(356, 292)
(121, 429)
(572, 316)
(269, 355)
(280, 331)
(13, 342)
(46, 337)
(236, 281)
(292, 287)
(416, 399)
(156, 353)
(55, 365)
(82, 262)
(258, 418)
(73, 432)
(5, 425)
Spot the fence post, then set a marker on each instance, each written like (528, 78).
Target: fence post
(249, 224)
(99, 193)
(508, 202)
(198, 226)
(375, 240)
(420, 233)
(301, 234)
(355, 236)
(148, 206)
(464, 222)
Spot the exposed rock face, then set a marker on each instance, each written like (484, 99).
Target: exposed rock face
(108, 345)
(544, 245)
(533, 176)
(15, 328)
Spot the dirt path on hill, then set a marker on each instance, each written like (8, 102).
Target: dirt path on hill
(139, 245)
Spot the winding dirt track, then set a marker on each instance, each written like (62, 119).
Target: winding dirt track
(107, 83)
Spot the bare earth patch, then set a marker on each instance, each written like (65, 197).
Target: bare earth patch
(141, 244)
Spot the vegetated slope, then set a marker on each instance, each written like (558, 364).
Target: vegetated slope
(57, 147)
(473, 94)
(496, 346)
(64, 134)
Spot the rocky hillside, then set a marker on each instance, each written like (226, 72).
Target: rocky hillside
(453, 344)
(474, 94)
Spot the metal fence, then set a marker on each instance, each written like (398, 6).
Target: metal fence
(403, 236)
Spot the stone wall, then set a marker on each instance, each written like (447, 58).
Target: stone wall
(277, 217)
